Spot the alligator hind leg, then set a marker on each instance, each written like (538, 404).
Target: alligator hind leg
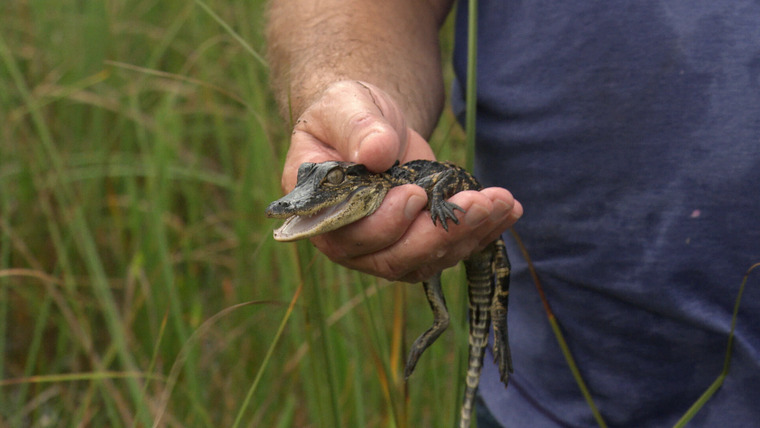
(501, 268)
(437, 303)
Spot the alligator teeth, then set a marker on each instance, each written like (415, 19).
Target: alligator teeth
(299, 227)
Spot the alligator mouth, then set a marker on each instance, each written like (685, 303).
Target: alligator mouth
(326, 219)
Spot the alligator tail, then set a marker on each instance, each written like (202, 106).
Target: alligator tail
(481, 290)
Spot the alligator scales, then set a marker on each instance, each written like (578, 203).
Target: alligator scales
(332, 194)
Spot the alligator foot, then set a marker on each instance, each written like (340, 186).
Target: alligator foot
(437, 303)
(444, 211)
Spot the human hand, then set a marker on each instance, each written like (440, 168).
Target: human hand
(358, 122)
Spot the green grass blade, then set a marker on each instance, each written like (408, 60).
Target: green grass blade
(560, 337)
(471, 99)
(182, 357)
(471, 103)
(318, 308)
(48, 154)
(232, 33)
(267, 357)
(713, 388)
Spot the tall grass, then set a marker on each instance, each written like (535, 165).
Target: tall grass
(138, 149)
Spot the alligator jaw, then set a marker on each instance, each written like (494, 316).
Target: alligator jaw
(298, 227)
(361, 203)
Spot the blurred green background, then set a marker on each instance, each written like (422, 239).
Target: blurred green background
(139, 283)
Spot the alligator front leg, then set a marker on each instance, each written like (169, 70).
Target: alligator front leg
(437, 303)
(439, 187)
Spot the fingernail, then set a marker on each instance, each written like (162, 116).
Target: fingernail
(414, 205)
(475, 215)
(500, 209)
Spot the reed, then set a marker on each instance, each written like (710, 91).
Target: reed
(139, 283)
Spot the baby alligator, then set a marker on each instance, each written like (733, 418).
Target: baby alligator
(332, 194)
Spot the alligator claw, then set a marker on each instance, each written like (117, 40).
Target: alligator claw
(443, 211)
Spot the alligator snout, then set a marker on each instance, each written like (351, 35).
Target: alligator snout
(279, 208)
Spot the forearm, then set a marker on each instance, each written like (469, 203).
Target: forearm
(392, 44)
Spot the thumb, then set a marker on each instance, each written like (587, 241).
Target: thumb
(359, 121)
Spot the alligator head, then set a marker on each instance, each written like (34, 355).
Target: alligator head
(327, 196)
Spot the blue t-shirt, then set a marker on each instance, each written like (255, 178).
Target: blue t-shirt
(630, 132)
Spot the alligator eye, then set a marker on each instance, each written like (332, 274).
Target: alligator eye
(335, 176)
